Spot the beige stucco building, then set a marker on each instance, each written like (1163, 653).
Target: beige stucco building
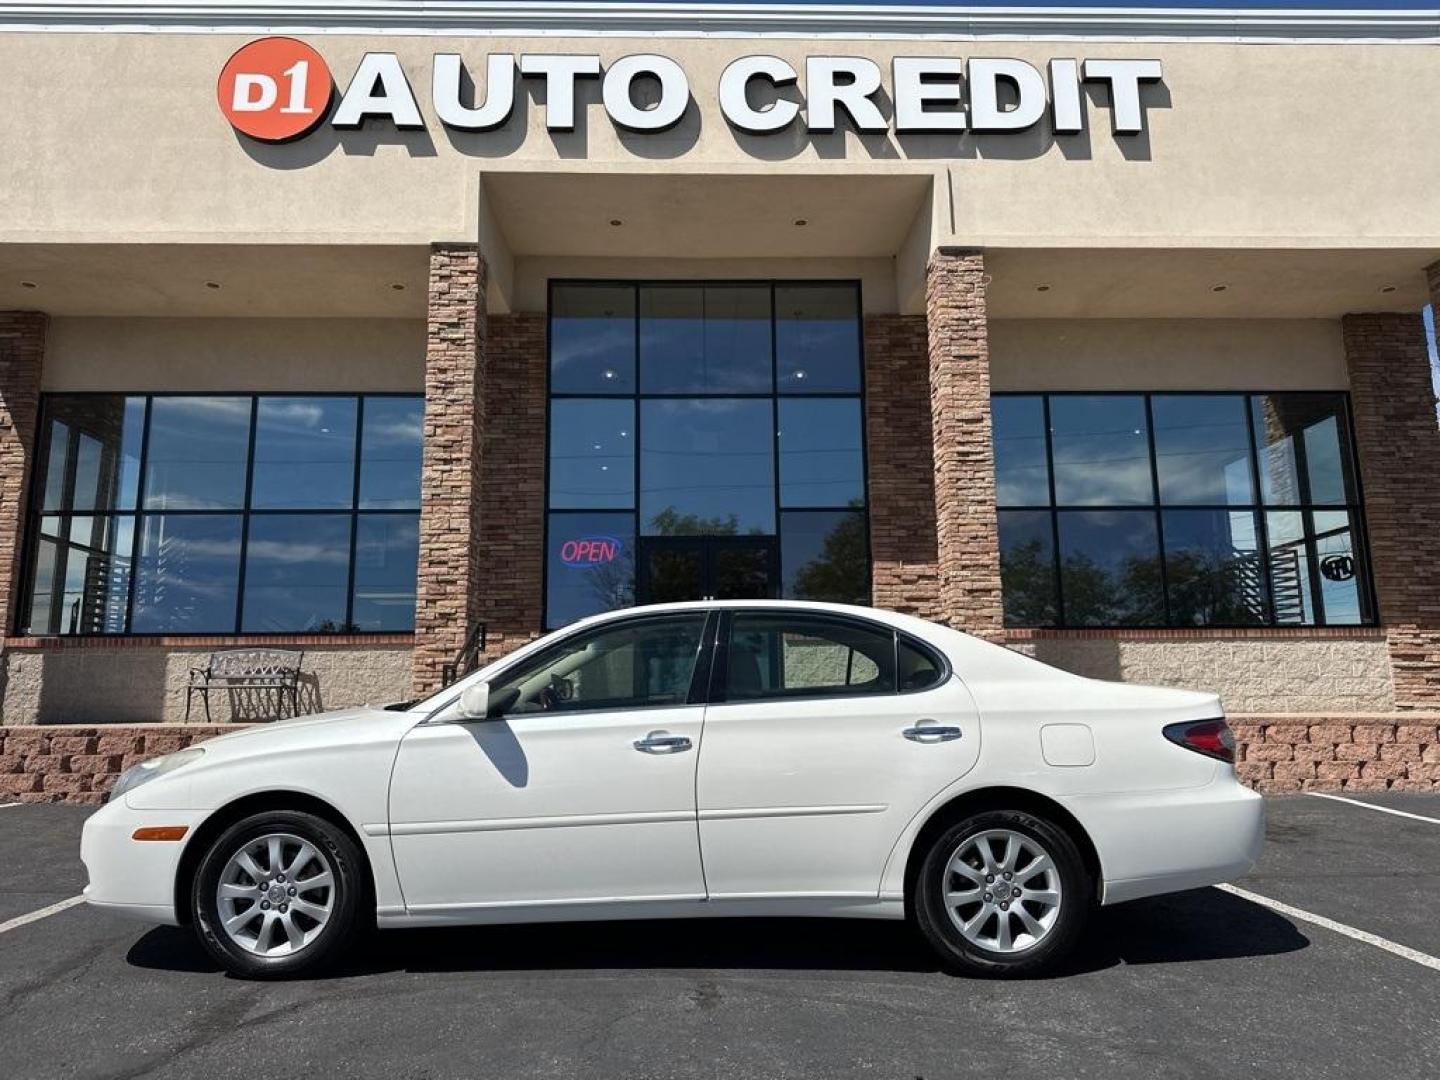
(1152, 404)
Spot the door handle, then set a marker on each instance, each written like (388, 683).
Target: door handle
(662, 742)
(932, 733)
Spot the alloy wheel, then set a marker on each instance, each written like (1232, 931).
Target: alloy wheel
(1001, 889)
(275, 895)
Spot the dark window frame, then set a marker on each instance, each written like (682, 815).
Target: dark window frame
(1258, 507)
(720, 665)
(711, 667)
(138, 514)
(774, 395)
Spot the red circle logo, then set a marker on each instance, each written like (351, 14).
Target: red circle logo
(275, 89)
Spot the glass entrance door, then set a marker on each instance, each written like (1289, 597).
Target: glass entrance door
(674, 569)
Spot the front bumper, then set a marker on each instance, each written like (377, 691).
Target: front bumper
(132, 877)
(1159, 842)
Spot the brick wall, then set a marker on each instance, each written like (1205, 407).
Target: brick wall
(79, 764)
(967, 542)
(1377, 752)
(1276, 753)
(447, 598)
(1399, 449)
(512, 525)
(22, 353)
(900, 452)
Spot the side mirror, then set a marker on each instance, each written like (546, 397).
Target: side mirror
(475, 701)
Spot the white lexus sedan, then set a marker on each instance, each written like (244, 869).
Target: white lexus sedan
(729, 758)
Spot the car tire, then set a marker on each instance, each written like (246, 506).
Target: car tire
(959, 893)
(308, 883)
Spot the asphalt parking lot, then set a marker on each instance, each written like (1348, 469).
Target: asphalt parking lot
(1201, 984)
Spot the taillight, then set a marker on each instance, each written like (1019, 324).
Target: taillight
(1213, 738)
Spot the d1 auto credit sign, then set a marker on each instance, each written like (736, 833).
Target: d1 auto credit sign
(275, 89)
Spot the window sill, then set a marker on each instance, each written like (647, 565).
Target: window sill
(202, 641)
(1192, 633)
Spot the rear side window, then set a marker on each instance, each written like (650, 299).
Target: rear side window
(780, 656)
(920, 669)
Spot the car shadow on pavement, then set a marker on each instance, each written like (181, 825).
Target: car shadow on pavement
(1203, 924)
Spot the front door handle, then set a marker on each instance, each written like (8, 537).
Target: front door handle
(932, 733)
(662, 742)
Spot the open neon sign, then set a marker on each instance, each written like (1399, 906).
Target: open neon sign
(590, 551)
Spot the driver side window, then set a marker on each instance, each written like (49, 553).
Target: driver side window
(636, 664)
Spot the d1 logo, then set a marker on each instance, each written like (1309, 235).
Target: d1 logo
(275, 89)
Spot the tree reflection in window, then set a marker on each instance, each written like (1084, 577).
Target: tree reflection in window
(1178, 509)
(826, 555)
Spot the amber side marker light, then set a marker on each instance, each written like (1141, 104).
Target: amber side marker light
(161, 832)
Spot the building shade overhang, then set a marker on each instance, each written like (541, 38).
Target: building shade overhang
(854, 20)
(666, 220)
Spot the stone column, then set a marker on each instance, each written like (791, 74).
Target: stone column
(967, 542)
(22, 356)
(900, 454)
(1399, 448)
(447, 597)
(513, 540)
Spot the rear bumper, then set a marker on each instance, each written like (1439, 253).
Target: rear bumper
(1159, 842)
(135, 878)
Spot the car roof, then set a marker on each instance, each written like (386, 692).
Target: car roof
(921, 627)
(779, 605)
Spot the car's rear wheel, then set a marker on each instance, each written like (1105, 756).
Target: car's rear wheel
(277, 894)
(1002, 893)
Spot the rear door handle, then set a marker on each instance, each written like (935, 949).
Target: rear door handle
(932, 733)
(662, 742)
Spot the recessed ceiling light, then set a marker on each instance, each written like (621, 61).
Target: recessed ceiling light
(212, 284)
(1218, 288)
(1042, 288)
(801, 222)
(29, 285)
(1387, 288)
(615, 221)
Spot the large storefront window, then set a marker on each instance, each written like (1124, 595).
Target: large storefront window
(705, 440)
(1224, 510)
(221, 514)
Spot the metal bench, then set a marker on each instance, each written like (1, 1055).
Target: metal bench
(247, 669)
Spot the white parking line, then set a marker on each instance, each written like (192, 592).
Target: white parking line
(42, 913)
(7, 805)
(1414, 955)
(1372, 806)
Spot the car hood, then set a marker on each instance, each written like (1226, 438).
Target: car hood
(305, 755)
(337, 724)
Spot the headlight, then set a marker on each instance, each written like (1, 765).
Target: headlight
(146, 771)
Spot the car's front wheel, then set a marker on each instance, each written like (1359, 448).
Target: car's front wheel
(1002, 893)
(277, 894)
